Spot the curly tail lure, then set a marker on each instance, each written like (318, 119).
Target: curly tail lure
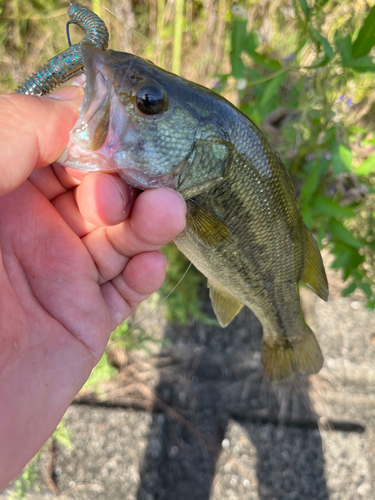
(69, 63)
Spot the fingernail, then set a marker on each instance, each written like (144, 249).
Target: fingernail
(126, 198)
(68, 93)
(179, 194)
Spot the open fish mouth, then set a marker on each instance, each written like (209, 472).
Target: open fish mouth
(105, 133)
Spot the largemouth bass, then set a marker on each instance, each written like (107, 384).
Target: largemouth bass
(244, 229)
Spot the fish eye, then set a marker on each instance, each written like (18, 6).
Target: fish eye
(151, 100)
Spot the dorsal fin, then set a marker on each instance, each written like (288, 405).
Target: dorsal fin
(225, 306)
(314, 275)
(210, 228)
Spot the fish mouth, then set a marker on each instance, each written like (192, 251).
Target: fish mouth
(104, 131)
(143, 181)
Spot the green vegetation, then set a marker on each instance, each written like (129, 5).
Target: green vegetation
(29, 31)
(125, 337)
(319, 79)
(184, 302)
(103, 371)
(26, 481)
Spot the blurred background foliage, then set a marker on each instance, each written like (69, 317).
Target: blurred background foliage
(302, 70)
(309, 86)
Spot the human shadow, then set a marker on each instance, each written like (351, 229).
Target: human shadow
(223, 403)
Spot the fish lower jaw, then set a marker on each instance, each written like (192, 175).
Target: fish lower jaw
(144, 181)
(79, 159)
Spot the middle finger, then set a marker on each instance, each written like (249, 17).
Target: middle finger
(157, 217)
(99, 200)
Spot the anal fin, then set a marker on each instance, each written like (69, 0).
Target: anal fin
(225, 306)
(314, 275)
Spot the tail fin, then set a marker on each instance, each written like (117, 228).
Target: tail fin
(301, 356)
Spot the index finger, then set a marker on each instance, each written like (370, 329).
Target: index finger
(33, 133)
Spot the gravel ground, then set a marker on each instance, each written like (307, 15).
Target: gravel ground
(213, 428)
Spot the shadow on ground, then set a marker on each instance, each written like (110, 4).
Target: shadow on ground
(234, 421)
(198, 420)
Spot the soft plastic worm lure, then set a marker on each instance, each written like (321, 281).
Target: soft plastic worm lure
(69, 63)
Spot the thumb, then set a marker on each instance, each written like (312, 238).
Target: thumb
(33, 132)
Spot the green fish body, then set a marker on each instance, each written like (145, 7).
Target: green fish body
(244, 229)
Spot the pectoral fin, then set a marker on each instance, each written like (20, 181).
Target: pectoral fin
(210, 229)
(225, 306)
(314, 275)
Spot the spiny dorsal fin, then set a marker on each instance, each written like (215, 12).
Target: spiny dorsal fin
(314, 275)
(225, 306)
(210, 228)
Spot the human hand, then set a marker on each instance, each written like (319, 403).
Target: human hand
(75, 257)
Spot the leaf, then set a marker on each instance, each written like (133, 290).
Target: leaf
(301, 45)
(329, 136)
(344, 46)
(363, 64)
(324, 42)
(355, 260)
(329, 207)
(342, 256)
(319, 63)
(319, 4)
(238, 70)
(311, 182)
(365, 287)
(341, 158)
(252, 74)
(321, 232)
(340, 232)
(366, 167)
(366, 36)
(349, 289)
(238, 41)
(359, 64)
(264, 61)
(251, 42)
(271, 89)
(305, 8)
(306, 214)
(238, 35)
(348, 258)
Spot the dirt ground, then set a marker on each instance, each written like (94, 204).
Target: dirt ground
(195, 418)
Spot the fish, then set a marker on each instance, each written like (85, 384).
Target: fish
(244, 229)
